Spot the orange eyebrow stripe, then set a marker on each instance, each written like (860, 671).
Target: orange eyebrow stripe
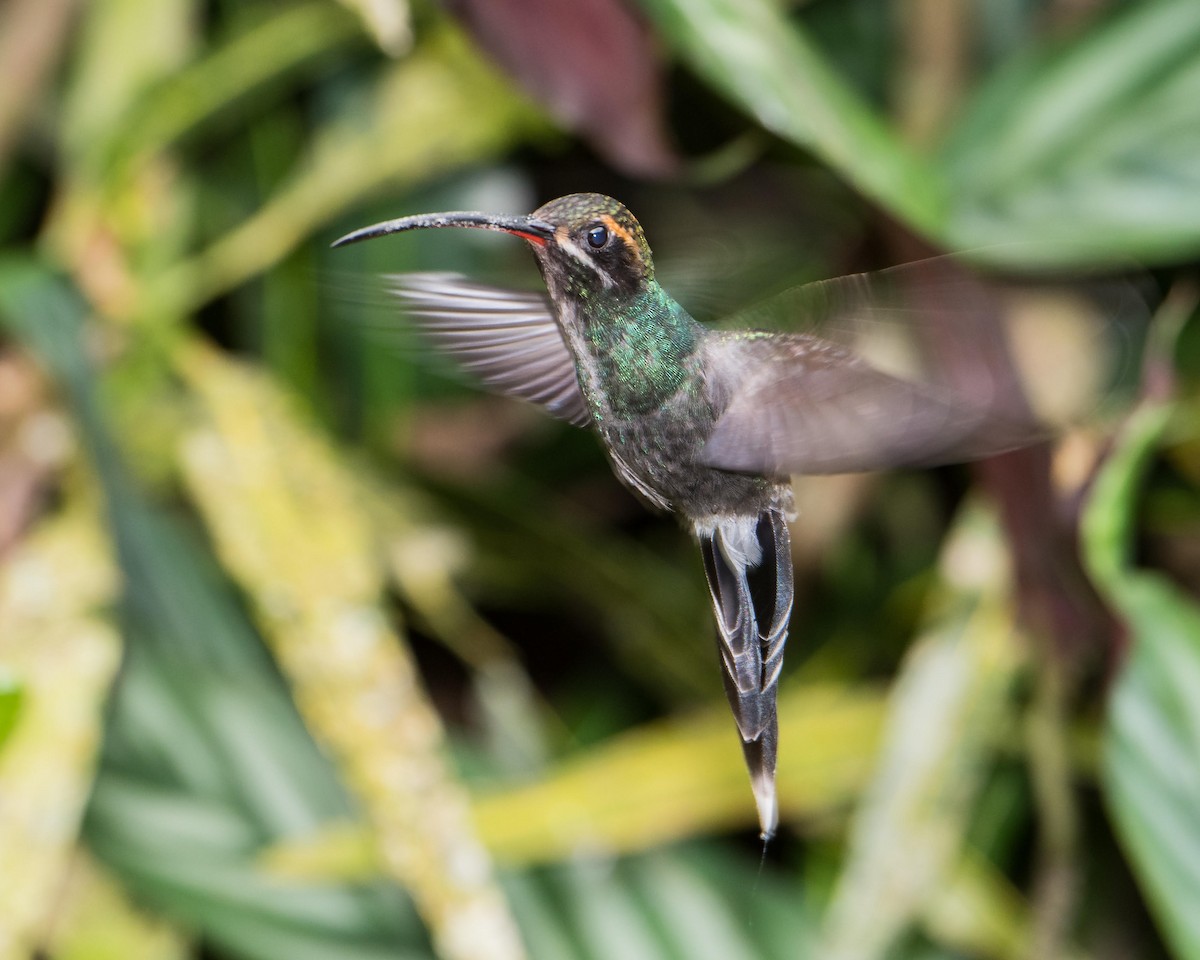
(620, 231)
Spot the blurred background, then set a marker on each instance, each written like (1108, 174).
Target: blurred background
(310, 649)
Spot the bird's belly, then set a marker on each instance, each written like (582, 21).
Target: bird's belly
(658, 457)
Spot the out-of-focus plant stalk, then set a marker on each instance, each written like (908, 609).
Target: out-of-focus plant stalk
(440, 108)
(286, 522)
(933, 68)
(389, 22)
(1057, 882)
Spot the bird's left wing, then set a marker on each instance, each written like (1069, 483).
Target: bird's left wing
(509, 340)
(794, 403)
(918, 365)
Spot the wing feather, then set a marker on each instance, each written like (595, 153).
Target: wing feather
(509, 340)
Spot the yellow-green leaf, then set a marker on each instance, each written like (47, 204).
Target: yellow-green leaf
(59, 647)
(287, 522)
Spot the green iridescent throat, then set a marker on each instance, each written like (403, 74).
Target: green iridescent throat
(641, 345)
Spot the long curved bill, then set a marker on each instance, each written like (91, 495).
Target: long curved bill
(527, 228)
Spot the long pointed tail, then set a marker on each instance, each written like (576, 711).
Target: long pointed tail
(748, 561)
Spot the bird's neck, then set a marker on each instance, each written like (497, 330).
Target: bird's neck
(639, 347)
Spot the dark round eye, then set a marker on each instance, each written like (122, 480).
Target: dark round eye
(597, 236)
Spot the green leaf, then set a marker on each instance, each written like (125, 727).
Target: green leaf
(201, 771)
(694, 903)
(1151, 747)
(1090, 149)
(764, 63)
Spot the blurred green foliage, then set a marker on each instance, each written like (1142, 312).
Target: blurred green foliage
(306, 649)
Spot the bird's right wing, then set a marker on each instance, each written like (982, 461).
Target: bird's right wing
(509, 340)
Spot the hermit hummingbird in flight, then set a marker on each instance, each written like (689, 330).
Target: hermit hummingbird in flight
(708, 423)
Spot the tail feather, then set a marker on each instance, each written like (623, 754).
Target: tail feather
(748, 562)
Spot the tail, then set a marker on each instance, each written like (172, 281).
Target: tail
(748, 561)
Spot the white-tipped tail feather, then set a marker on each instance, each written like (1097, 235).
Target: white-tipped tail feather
(748, 562)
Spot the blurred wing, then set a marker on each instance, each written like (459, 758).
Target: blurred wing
(507, 339)
(915, 366)
(1061, 346)
(798, 404)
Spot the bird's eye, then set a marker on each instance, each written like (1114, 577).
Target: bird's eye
(597, 236)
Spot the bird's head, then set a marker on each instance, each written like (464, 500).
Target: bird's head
(585, 243)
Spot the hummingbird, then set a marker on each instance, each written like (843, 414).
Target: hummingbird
(707, 423)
